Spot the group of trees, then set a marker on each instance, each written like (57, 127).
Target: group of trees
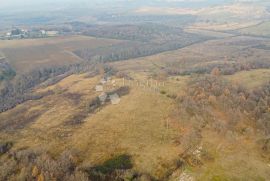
(208, 93)
(226, 68)
(20, 89)
(39, 165)
(144, 40)
(6, 71)
(175, 20)
(129, 50)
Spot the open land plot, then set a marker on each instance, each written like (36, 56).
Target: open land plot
(261, 29)
(142, 124)
(227, 50)
(25, 55)
(250, 79)
(128, 127)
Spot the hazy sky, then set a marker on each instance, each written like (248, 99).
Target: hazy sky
(39, 4)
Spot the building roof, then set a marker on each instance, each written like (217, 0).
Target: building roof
(99, 88)
(115, 99)
(102, 97)
(103, 81)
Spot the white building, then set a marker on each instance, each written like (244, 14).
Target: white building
(51, 33)
(99, 88)
(115, 99)
(102, 97)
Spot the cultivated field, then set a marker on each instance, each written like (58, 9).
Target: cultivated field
(25, 55)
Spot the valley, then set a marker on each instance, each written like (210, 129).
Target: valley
(164, 92)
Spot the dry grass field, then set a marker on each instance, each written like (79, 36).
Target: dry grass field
(25, 55)
(226, 50)
(144, 124)
(250, 79)
(128, 127)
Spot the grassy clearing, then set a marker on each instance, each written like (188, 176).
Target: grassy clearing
(250, 79)
(262, 29)
(233, 160)
(136, 126)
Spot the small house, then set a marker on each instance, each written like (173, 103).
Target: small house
(99, 88)
(52, 33)
(115, 99)
(102, 97)
(103, 81)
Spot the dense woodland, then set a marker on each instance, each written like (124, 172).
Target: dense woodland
(246, 112)
(173, 20)
(212, 92)
(38, 165)
(19, 90)
(6, 71)
(142, 40)
(225, 67)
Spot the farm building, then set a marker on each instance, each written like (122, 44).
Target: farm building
(52, 33)
(99, 88)
(115, 99)
(103, 81)
(102, 97)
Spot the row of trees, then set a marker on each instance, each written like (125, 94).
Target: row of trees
(6, 71)
(20, 89)
(226, 68)
(144, 40)
(129, 50)
(38, 164)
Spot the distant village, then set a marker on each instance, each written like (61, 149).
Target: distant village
(18, 33)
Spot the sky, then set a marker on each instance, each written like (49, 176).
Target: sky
(9, 5)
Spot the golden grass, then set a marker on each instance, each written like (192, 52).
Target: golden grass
(25, 55)
(234, 159)
(261, 29)
(250, 79)
(136, 126)
(65, 41)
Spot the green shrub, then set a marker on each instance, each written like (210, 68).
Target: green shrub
(162, 92)
(5, 147)
(122, 162)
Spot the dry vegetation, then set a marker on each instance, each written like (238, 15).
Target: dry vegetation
(26, 55)
(149, 135)
(210, 120)
(261, 29)
(251, 79)
(124, 128)
(231, 54)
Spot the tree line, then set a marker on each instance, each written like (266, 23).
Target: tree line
(20, 89)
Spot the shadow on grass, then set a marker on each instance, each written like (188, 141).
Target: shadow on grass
(111, 169)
